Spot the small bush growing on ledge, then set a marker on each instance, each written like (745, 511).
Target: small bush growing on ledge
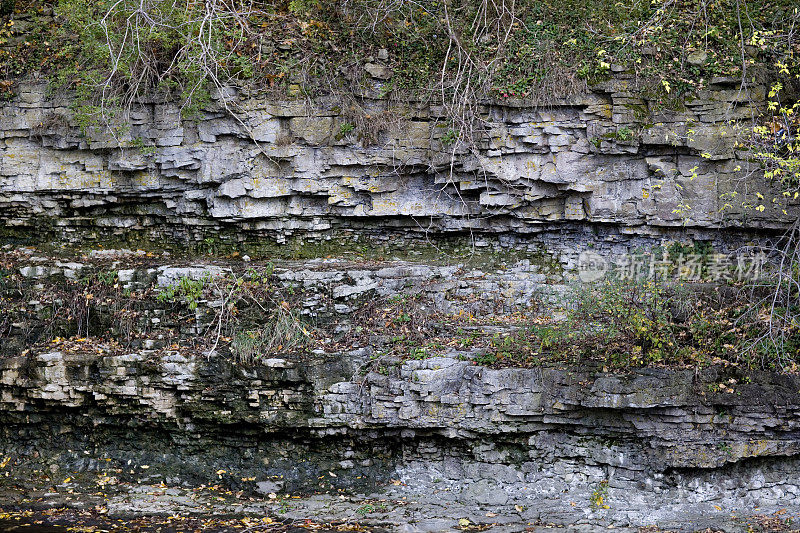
(620, 322)
(623, 323)
(189, 290)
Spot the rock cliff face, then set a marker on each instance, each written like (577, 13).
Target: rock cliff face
(647, 448)
(422, 441)
(440, 437)
(605, 166)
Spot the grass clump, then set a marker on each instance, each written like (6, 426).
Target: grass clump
(283, 331)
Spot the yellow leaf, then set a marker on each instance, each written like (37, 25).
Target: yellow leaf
(463, 522)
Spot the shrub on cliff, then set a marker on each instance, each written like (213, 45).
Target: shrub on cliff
(634, 322)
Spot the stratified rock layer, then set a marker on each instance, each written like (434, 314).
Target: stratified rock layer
(605, 170)
(607, 163)
(565, 445)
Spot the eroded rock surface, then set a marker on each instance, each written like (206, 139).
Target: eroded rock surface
(656, 447)
(605, 165)
(437, 438)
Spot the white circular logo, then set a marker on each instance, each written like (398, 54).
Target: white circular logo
(591, 267)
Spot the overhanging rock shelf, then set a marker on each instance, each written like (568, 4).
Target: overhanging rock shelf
(657, 444)
(561, 176)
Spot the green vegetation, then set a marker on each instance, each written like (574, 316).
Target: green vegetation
(773, 149)
(245, 317)
(624, 134)
(449, 138)
(111, 52)
(346, 128)
(600, 496)
(249, 315)
(281, 331)
(624, 323)
(188, 290)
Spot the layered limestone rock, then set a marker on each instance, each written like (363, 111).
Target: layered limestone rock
(651, 447)
(435, 438)
(609, 161)
(609, 169)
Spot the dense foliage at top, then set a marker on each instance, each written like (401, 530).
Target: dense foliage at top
(499, 48)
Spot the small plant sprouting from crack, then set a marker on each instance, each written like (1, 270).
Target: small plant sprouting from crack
(600, 496)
